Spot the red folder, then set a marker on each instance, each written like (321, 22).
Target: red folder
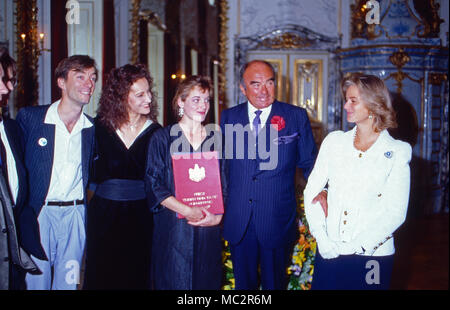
(197, 180)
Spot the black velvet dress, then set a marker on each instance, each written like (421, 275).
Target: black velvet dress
(118, 238)
(184, 257)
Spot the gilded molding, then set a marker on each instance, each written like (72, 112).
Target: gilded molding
(278, 66)
(359, 27)
(134, 23)
(399, 58)
(436, 78)
(223, 39)
(431, 21)
(286, 41)
(28, 53)
(428, 20)
(309, 71)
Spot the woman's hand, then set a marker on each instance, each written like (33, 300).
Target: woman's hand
(209, 219)
(194, 214)
(322, 199)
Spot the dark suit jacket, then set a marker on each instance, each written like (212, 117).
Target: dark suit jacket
(15, 140)
(265, 196)
(39, 163)
(8, 216)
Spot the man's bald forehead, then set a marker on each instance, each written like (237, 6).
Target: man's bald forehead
(252, 63)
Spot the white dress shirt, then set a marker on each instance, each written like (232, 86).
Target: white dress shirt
(263, 116)
(66, 183)
(368, 192)
(13, 179)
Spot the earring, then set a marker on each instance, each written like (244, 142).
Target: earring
(370, 116)
(180, 112)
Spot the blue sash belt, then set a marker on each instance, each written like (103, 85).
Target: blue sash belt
(121, 190)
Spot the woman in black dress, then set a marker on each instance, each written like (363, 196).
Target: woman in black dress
(186, 253)
(119, 222)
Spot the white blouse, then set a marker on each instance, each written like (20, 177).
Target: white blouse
(368, 192)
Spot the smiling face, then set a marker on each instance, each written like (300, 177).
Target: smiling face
(139, 97)
(196, 105)
(79, 86)
(356, 109)
(259, 85)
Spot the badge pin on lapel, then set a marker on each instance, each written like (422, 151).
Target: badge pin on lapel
(42, 142)
(388, 154)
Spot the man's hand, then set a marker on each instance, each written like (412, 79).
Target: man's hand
(322, 199)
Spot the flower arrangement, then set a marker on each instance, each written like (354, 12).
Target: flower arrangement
(302, 267)
(228, 282)
(301, 270)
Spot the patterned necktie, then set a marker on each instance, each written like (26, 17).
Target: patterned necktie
(257, 123)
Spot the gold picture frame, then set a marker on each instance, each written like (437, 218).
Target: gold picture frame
(313, 70)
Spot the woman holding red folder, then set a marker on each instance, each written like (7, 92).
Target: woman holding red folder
(186, 253)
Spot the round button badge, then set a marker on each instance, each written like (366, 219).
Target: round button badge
(42, 142)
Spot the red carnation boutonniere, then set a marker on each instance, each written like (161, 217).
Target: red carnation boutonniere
(278, 122)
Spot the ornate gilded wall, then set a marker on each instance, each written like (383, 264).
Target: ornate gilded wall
(405, 51)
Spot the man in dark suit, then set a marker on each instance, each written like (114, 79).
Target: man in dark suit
(58, 151)
(14, 262)
(260, 202)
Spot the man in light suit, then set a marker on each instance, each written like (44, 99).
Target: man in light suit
(58, 151)
(260, 203)
(14, 262)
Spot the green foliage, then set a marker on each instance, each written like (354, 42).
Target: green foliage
(302, 263)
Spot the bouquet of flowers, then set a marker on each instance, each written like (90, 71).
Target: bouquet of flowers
(228, 282)
(301, 270)
(302, 267)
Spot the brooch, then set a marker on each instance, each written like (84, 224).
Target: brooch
(389, 154)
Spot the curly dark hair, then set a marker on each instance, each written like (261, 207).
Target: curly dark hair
(113, 104)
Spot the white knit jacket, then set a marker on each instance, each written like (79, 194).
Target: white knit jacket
(368, 191)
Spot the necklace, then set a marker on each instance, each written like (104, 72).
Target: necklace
(363, 147)
(132, 127)
(355, 137)
(136, 125)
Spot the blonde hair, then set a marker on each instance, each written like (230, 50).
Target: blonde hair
(375, 97)
(186, 86)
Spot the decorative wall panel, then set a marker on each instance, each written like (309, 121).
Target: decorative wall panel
(87, 38)
(307, 90)
(296, 46)
(405, 51)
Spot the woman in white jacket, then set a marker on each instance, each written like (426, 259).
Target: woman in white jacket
(368, 177)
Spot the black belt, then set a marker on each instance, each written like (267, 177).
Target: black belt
(65, 203)
(121, 190)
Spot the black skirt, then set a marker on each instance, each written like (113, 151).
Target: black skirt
(352, 272)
